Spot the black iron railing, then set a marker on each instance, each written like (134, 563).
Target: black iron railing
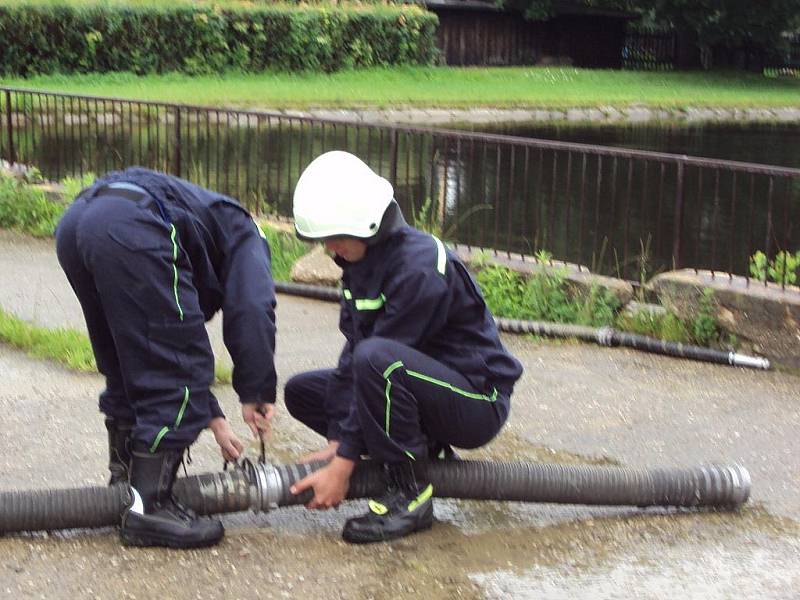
(606, 208)
(649, 50)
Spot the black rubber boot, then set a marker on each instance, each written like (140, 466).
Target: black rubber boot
(406, 507)
(156, 518)
(119, 449)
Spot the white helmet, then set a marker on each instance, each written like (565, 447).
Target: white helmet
(339, 195)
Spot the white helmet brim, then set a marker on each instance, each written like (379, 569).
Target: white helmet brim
(339, 195)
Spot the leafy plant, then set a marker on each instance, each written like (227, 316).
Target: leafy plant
(74, 185)
(704, 325)
(543, 296)
(285, 249)
(27, 209)
(781, 269)
(662, 326)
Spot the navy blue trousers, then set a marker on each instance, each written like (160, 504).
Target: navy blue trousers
(405, 402)
(134, 284)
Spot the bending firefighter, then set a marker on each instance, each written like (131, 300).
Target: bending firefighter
(151, 258)
(422, 368)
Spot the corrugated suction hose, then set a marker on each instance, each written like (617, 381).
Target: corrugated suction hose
(605, 336)
(262, 487)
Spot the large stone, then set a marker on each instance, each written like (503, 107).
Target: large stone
(765, 317)
(278, 223)
(52, 191)
(316, 268)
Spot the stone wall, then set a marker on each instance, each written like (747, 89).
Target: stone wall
(765, 318)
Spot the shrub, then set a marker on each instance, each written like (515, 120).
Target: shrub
(543, 296)
(203, 38)
(781, 269)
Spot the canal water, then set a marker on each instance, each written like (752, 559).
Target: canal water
(765, 143)
(583, 208)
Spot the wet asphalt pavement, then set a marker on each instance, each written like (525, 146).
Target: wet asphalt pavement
(576, 404)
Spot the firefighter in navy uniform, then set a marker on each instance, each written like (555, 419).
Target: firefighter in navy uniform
(422, 368)
(151, 258)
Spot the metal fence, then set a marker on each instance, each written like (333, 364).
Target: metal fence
(649, 50)
(789, 62)
(606, 208)
(657, 50)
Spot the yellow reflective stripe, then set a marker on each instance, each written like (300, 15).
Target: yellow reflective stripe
(377, 507)
(370, 303)
(175, 270)
(395, 365)
(453, 388)
(386, 373)
(422, 498)
(388, 404)
(161, 434)
(441, 259)
(165, 430)
(365, 303)
(183, 407)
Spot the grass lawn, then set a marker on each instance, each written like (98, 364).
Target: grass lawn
(509, 87)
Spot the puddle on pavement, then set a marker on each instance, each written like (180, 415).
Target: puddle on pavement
(586, 553)
(708, 555)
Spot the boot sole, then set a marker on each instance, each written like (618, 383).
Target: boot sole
(357, 539)
(146, 540)
(142, 539)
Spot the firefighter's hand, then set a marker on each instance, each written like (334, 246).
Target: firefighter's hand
(330, 483)
(229, 444)
(325, 454)
(258, 417)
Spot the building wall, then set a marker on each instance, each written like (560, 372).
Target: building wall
(494, 38)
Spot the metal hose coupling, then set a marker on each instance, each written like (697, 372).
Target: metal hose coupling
(256, 486)
(268, 486)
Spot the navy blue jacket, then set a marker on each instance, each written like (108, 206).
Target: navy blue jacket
(411, 289)
(237, 282)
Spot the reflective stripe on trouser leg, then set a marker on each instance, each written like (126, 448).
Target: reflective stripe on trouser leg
(418, 398)
(160, 355)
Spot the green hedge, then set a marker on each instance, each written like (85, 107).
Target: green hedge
(195, 39)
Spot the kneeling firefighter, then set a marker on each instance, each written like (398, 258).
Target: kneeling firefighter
(422, 367)
(151, 258)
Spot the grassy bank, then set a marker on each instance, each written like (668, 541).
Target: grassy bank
(510, 87)
(67, 347)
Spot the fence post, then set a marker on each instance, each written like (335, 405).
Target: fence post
(9, 121)
(676, 237)
(177, 168)
(393, 159)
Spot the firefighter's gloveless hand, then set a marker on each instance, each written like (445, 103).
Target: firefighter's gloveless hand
(258, 417)
(330, 483)
(229, 443)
